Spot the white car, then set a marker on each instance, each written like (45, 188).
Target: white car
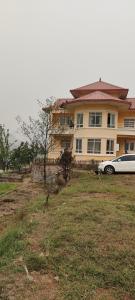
(124, 163)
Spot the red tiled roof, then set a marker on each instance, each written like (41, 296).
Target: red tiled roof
(97, 95)
(61, 101)
(98, 86)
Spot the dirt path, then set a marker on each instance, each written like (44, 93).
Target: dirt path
(17, 198)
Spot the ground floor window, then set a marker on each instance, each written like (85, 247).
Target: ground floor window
(65, 144)
(130, 146)
(94, 146)
(79, 145)
(110, 146)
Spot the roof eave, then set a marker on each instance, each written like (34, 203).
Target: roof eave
(116, 102)
(123, 91)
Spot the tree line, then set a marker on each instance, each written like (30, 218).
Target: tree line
(39, 135)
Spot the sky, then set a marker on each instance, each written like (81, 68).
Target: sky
(48, 47)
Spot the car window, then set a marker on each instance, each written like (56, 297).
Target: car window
(131, 158)
(125, 158)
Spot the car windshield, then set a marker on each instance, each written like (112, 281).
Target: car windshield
(116, 159)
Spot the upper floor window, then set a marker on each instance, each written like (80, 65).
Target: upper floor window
(94, 146)
(79, 120)
(111, 120)
(79, 145)
(110, 146)
(66, 120)
(129, 123)
(95, 119)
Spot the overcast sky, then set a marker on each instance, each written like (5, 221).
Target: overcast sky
(50, 46)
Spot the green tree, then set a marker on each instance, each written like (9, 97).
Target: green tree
(5, 147)
(22, 155)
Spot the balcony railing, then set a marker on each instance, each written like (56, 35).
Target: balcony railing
(126, 126)
(129, 123)
(65, 129)
(126, 129)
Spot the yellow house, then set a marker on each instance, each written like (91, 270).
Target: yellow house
(98, 122)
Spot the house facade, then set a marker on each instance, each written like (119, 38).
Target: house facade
(98, 122)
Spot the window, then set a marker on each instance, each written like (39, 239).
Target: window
(79, 145)
(130, 146)
(110, 147)
(95, 119)
(111, 120)
(94, 146)
(79, 120)
(65, 144)
(129, 123)
(66, 120)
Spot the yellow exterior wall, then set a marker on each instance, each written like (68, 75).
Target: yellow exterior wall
(55, 151)
(123, 115)
(102, 133)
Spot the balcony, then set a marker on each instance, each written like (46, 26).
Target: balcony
(63, 130)
(125, 129)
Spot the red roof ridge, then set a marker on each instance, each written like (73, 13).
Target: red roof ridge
(100, 84)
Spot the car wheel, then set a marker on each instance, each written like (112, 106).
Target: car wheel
(109, 170)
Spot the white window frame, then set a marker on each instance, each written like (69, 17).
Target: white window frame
(110, 149)
(93, 151)
(95, 115)
(112, 124)
(78, 123)
(78, 145)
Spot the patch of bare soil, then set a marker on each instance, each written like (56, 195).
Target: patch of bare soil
(34, 240)
(40, 287)
(96, 195)
(108, 294)
(16, 199)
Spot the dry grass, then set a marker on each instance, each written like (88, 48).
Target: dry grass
(84, 243)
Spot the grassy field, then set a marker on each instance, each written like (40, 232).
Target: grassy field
(6, 187)
(84, 242)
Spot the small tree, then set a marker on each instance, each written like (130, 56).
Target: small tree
(66, 163)
(22, 155)
(5, 147)
(40, 131)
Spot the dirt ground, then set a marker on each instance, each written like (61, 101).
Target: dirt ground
(18, 286)
(17, 198)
